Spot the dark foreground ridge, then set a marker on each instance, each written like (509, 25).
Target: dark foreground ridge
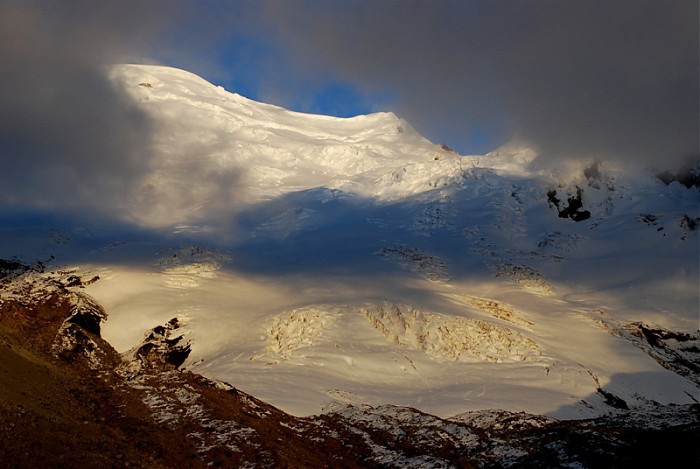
(68, 399)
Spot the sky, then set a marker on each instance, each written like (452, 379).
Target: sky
(576, 79)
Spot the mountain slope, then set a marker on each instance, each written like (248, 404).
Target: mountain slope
(313, 261)
(214, 150)
(68, 399)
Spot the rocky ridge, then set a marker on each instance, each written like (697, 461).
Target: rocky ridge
(68, 399)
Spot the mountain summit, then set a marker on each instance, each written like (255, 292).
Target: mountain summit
(213, 150)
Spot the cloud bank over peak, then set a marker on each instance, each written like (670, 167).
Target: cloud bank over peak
(585, 79)
(582, 79)
(68, 138)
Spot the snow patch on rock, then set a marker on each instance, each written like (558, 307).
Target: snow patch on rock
(164, 348)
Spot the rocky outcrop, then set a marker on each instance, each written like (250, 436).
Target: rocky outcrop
(688, 174)
(163, 349)
(66, 401)
(573, 207)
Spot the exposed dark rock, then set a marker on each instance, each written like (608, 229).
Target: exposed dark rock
(612, 400)
(688, 174)
(73, 281)
(86, 320)
(592, 174)
(72, 407)
(649, 219)
(73, 344)
(86, 313)
(688, 224)
(573, 208)
(11, 268)
(92, 280)
(163, 348)
(672, 350)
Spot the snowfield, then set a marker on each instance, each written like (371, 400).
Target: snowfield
(319, 261)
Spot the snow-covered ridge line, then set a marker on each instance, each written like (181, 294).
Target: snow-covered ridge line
(261, 151)
(163, 85)
(191, 84)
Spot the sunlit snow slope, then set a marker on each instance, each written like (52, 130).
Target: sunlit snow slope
(215, 151)
(316, 259)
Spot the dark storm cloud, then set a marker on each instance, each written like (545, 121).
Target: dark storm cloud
(68, 138)
(576, 78)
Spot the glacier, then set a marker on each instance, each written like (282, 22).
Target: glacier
(315, 260)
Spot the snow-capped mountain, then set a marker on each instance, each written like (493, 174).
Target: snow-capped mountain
(314, 261)
(214, 151)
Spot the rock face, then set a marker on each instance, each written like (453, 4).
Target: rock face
(688, 174)
(163, 349)
(573, 206)
(67, 399)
